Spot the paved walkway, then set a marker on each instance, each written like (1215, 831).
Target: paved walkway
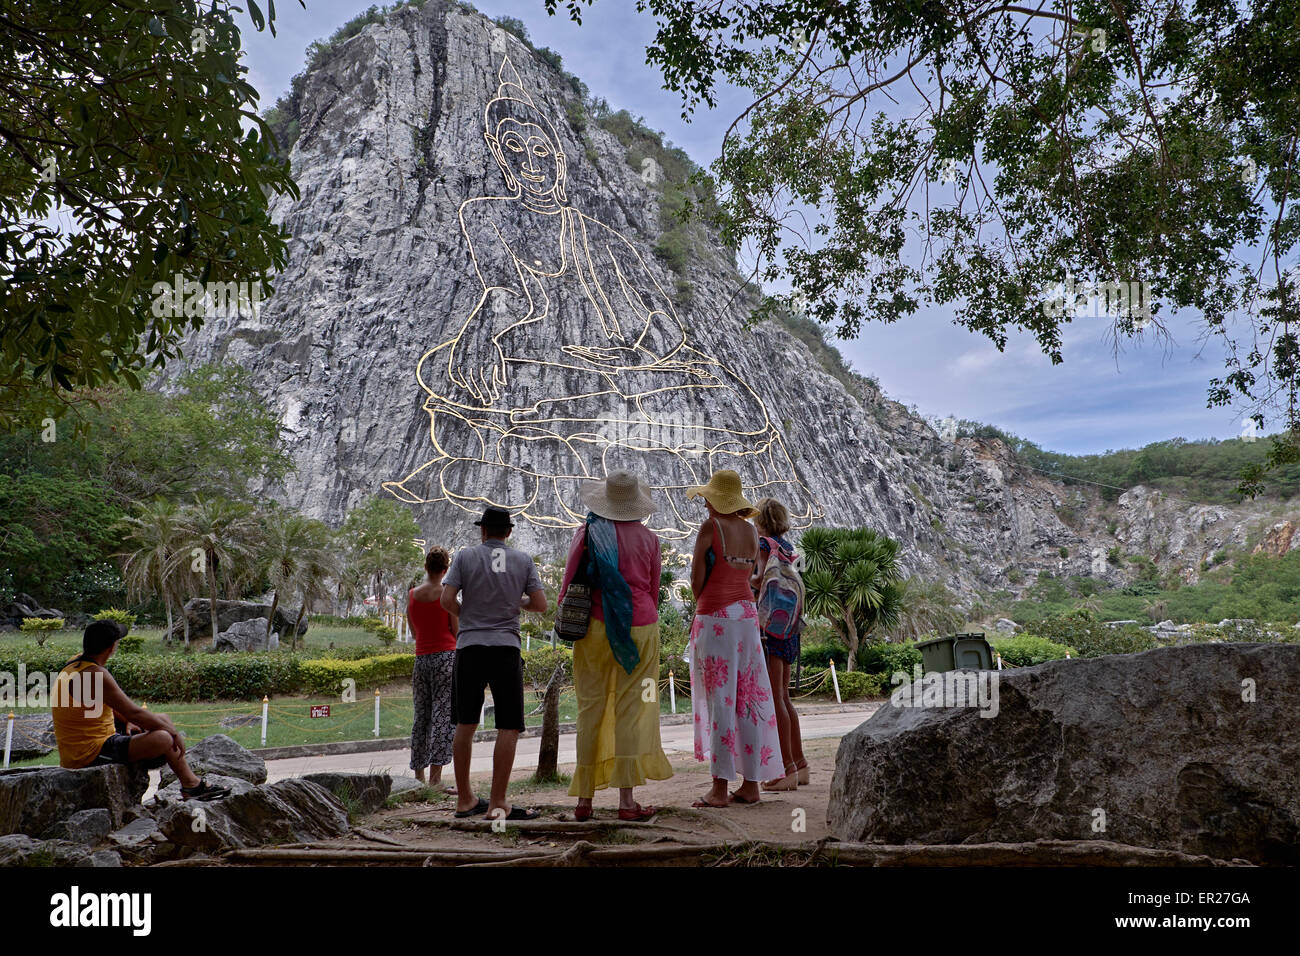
(677, 739)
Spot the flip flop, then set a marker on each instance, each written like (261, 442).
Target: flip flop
(705, 805)
(478, 809)
(518, 813)
(737, 798)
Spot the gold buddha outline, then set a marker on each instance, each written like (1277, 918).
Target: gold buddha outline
(463, 392)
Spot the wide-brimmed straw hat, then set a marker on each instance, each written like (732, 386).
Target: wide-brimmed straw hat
(622, 496)
(723, 492)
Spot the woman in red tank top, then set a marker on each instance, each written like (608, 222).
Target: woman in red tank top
(731, 696)
(435, 656)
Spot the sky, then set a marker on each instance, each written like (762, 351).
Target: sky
(1096, 400)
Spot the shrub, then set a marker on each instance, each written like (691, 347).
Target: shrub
(325, 675)
(194, 677)
(1091, 637)
(539, 663)
(819, 656)
(887, 659)
(856, 684)
(386, 634)
(371, 623)
(39, 625)
(131, 644)
(125, 618)
(1025, 650)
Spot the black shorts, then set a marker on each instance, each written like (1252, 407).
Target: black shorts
(502, 669)
(115, 750)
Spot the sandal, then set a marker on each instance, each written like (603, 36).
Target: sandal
(519, 813)
(737, 798)
(789, 782)
(583, 813)
(704, 804)
(204, 791)
(637, 813)
(805, 774)
(478, 809)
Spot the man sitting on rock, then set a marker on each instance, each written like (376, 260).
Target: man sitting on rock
(95, 723)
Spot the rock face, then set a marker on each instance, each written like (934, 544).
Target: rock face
(410, 250)
(230, 613)
(247, 635)
(33, 801)
(220, 754)
(1160, 746)
(288, 811)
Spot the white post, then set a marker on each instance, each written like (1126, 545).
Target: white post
(999, 662)
(376, 711)
(1067, 655)
(836, 681)
(266, 703)
(528, 642)
(672, 692)
(9, 738)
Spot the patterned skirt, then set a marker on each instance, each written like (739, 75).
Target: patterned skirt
(433, 726)
(735, 720)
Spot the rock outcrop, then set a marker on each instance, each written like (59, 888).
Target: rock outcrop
(250, 635)
(219, 754)
(1188, 748)
(288, 811)
(34, 800)
(230, 613)
(362, 792)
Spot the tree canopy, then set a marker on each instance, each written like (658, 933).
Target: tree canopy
(131, 153)
(980, 156)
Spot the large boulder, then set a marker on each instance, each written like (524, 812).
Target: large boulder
(33, 800)
(24, 605)
(1188, 748)
(247, 635)
(287, 811)
(219, 754)
(360, 793)
(233, 612)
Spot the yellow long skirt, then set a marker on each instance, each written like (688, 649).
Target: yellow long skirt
(618, 728)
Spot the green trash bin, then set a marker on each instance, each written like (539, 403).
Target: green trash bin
(968, 650)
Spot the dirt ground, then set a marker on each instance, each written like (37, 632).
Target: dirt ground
(788, 817)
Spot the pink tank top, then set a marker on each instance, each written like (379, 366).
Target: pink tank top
(727, 583)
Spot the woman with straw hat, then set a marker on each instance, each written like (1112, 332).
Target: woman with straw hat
(618, 729)
(735, 716)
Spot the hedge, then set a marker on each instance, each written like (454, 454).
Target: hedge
(325, 675)
(819, 656)
(184, 678)
(855, 684)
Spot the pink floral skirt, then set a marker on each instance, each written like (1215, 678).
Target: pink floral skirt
(735, 721)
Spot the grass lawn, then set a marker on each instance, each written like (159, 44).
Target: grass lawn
(290, 722)
(318, 638)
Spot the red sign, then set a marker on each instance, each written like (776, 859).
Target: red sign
(320, 710)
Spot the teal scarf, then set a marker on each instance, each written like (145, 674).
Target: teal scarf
(615, 595)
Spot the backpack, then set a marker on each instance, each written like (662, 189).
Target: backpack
(780, 594)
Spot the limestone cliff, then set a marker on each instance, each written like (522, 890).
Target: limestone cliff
(472, 311)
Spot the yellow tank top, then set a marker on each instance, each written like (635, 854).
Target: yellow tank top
(79, 735)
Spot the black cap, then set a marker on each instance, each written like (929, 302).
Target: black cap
(495, 519)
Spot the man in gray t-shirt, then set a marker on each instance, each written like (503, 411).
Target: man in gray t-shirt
(493, 583)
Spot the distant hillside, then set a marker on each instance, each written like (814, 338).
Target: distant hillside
(1205, 470)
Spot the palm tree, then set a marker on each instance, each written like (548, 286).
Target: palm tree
(286, 537)
(221, 536)
(152, 536)
(926, 606)
(317, 562)
(853, 580)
